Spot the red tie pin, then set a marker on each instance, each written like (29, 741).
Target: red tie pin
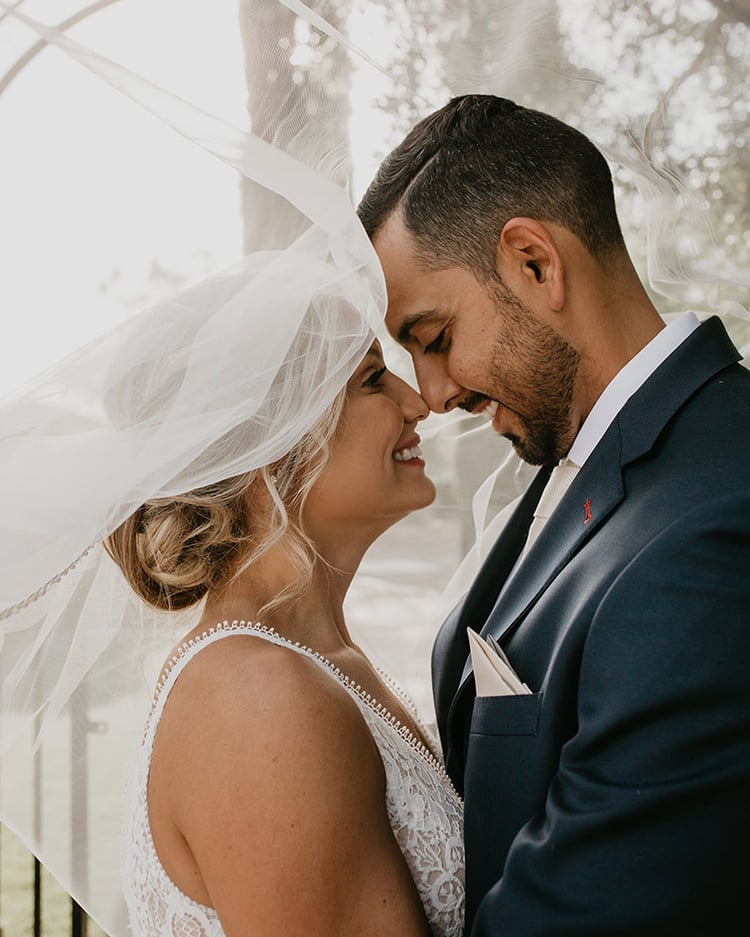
(587, 510)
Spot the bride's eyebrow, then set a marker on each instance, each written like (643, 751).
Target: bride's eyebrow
(375, 351)
(373, 358)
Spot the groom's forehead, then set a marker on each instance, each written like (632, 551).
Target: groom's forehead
(419, 296)
(392, 243)
(394, 239)
(405, 273)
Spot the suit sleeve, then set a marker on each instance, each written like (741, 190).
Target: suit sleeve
(646, 824)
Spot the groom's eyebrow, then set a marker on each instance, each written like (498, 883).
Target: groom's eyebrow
(416, 318)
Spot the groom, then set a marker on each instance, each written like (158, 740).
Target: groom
(614, 799)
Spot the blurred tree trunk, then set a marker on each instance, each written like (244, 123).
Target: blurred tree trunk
(298, 98)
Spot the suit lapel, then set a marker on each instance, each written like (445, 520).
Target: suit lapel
(592, 496)
(499, 562)
(451, 648)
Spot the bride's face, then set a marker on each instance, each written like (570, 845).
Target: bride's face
(375, 474)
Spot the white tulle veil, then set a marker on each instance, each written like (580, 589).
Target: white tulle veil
(188, 287)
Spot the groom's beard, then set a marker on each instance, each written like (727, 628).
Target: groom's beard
(539, 368)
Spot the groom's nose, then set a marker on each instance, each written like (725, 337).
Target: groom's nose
(437, 387)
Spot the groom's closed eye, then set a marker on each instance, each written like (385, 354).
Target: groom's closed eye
(436, 344)
(426, 317)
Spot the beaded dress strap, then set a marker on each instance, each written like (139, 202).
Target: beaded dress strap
(187, 651)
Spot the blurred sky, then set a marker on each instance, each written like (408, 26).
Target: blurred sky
(102, 206)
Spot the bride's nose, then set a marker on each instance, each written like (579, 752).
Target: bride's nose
(413, 405)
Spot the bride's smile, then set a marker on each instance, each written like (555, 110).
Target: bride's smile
(365, 484)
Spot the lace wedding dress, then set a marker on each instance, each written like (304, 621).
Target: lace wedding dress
(424, 809)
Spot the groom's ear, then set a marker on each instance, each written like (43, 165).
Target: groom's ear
(529, 262)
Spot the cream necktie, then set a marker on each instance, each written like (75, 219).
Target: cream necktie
(557, 484)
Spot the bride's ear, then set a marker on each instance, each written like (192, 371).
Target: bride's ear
(529, 261)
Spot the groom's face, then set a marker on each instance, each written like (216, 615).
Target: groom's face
(479, 348)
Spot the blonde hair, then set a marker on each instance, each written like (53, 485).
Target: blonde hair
(173, 551)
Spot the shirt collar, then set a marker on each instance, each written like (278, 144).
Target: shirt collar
(626, 382)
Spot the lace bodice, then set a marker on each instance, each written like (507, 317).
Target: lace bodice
(425, 812)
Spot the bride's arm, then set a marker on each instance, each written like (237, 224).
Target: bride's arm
(276, 793)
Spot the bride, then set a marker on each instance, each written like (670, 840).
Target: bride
(235, 450)
(284, 785)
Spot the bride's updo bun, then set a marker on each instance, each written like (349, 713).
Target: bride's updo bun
(173, 551)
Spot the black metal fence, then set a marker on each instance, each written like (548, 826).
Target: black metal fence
(24, 912)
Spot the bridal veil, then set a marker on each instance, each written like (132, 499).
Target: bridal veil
(188, 287)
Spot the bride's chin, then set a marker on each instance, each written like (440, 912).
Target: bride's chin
(428, 495)
(433, 492)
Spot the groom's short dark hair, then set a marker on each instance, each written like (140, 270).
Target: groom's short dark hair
(465, 170)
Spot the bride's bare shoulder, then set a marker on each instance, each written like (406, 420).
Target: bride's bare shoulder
(245, 693)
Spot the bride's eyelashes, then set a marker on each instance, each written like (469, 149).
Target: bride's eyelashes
(374, 379)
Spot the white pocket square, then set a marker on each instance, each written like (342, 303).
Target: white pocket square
(492, 674)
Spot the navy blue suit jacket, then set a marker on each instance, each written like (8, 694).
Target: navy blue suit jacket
(615, 800)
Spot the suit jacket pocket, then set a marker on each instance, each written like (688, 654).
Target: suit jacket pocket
(506, 715)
